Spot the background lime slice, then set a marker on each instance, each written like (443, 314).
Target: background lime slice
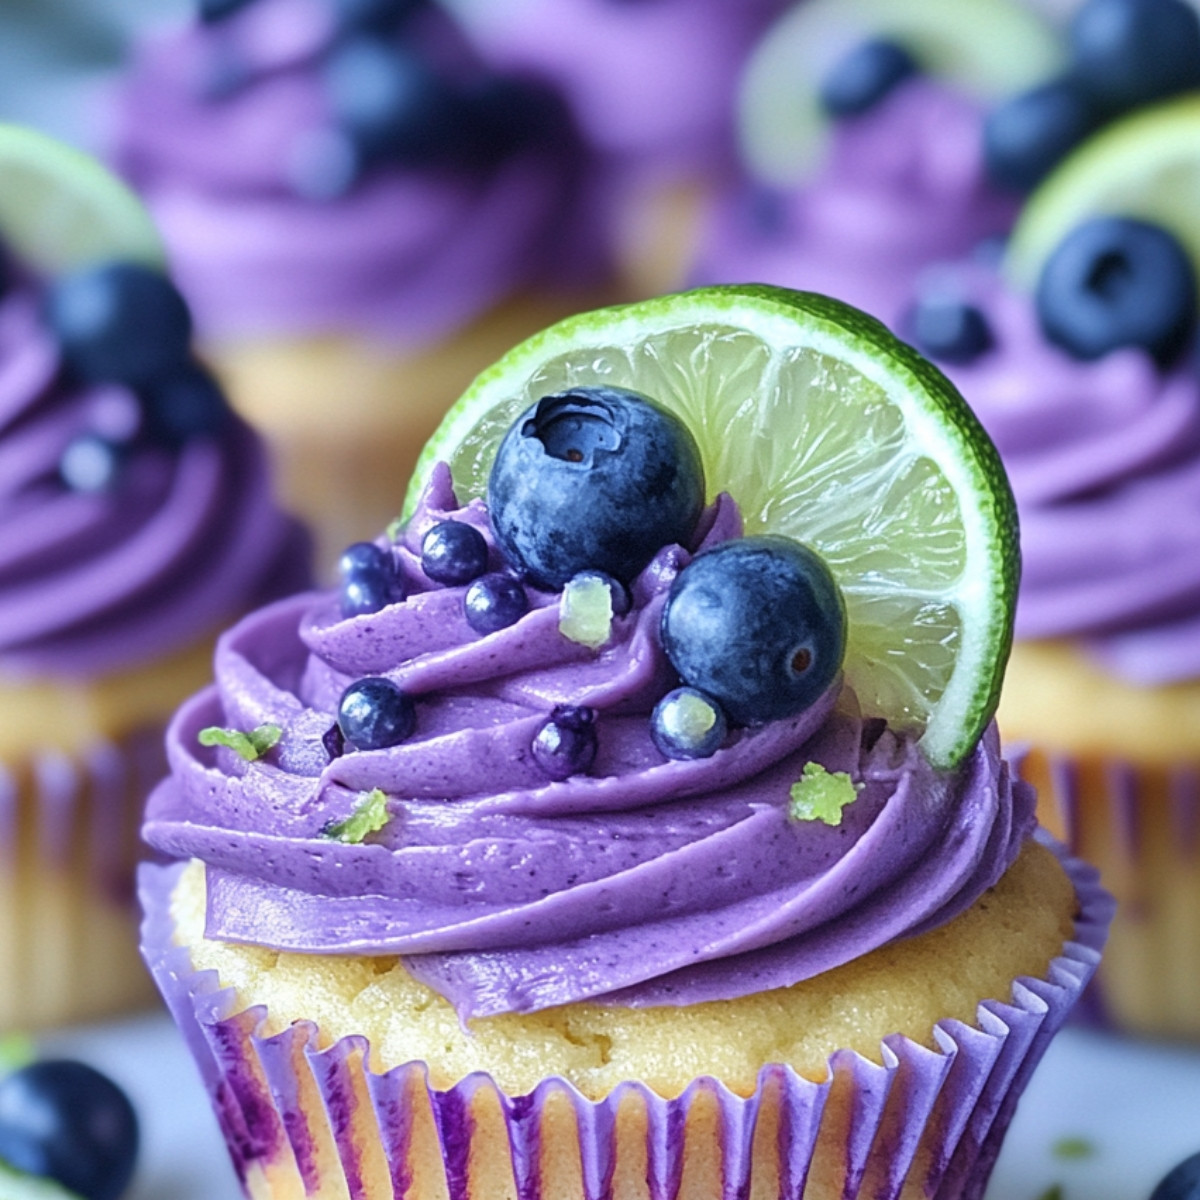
(990, 48)
(1145, 166)
(60, 209)
(826, 428)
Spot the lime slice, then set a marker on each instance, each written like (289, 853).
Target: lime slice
(824, 427)
(1145, 166)
(60, 209)
(988, 47)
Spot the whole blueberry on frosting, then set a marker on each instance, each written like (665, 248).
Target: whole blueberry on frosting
(1181, 1183)
(759, 625)
(374, 713)
(369, 580)
(594, 479)
(494, 602)
(1116, 282)
(565, 745)
(453, 552)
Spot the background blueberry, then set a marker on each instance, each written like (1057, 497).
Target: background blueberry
(1026, 136)
(687, 724)
(120, 323)
(375, 15)
(1181, 1183)
(453, 552)
(65, 1121)
(758, 624)
(597, 478)
(218, 10)
(374, 713)
(862, 78)
(494, 602)
(1128, 52)
(566, 744)
(948, 329)
(392, 103)
(369, 580)
(186, 403)
(1115, 282)
(90, 464)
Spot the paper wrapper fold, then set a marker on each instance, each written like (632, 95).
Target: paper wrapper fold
(68, 853)
(1140, 824)
(305, 1120)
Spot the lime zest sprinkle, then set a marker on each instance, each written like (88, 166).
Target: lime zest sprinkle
(1053, 1192)
(820, 795)
(396, 528)
(690, 718)
(250, 746)
(370, 815)
(585, 612)
(1073, 1147)
(17, 1050)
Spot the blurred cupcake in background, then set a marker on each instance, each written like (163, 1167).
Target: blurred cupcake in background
(363, 215)
(652, 85)
(135, 520)
(862, 135)
(1079, 358)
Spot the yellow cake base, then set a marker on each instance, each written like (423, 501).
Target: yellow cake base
(1016, 929)
(1117, 769)
(346, 418)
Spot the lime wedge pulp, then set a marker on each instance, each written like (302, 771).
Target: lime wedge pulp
(60, 209)
(989, 48)
(823, 427)
(1146, 166)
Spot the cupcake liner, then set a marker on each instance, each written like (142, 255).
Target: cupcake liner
(301, 1120)
(1140, 824)
(68, 853)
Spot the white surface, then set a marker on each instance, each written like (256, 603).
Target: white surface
(1136, 1105)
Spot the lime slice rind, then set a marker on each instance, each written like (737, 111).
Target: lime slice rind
(826, 428)
(1146, 166)
(61, 209)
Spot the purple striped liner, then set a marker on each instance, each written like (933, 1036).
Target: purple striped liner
(69, 849)
(923, 1122)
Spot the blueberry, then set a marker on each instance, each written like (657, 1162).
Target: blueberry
(453, 552)
(862, 78)
(566, 744)
(65, 1121)
(120, 323)
(758, 624)
(1129, 52)
(375, 15)
(597, 478)
(494, 602)
(500, 115)
(1026, 137)
(90, 464)
(949, 330)
(188, 403)
(211, 11)
(1117, 282)
(391, 102)
(1182, 1183)
(369, 578)
(334, 742)
(687, 724)
(374, 713)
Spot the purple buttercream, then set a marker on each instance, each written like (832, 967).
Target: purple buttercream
(92, 582)
(409, 255)
(647, 881)
(903, 186)
(1104, 460)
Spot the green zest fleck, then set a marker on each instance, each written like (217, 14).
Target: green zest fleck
(585, 612)
(370, 816)
(1054, 1192)
(1073, 1147)
(396, 528)
(250, 745)
(820, 796)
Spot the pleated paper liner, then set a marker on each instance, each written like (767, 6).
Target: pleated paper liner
(305, 1121)
(1140, 825)
(68, 855)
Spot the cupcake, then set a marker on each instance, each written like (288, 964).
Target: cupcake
(862, 134)
(135, 521)
(597, 854)
(1094, 404)
(362, 215)
(652, 88)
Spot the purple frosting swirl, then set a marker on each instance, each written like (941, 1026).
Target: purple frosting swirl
(647, 881)
(212, 121)
(1104, 460)
(903, 186)
(92, 582)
